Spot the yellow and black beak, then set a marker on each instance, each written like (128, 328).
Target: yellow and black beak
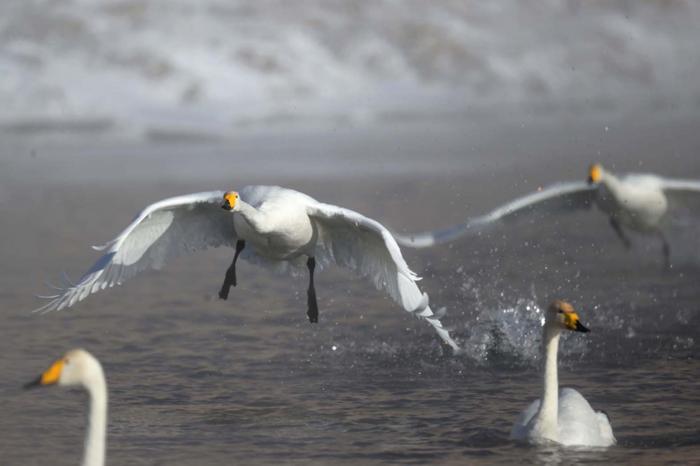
(572, 322)
(49, 377)
(229, 201)
(581, 328)
(594, 174)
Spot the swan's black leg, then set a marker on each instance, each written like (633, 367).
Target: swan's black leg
(312, 311)
(620, 233)
(230, 278)
(666, 249)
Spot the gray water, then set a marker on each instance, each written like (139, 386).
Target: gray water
(194, 380)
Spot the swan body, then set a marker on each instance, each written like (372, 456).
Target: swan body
(638, 202)
(273, 226)
(277, 224)
(563, 417)
(80, 368)
(577, 422)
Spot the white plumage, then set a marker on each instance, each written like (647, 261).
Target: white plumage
(78, 368)
(563, 417)
(282, 226)
(638, 202)
(577, 424)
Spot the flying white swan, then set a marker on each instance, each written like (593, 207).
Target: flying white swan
(80, 368)
(284, 229)
(564, 417)
(638, 202)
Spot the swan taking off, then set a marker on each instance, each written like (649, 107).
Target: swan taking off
(80, 368)
(274, 226)
(564, 417)
(637, 202)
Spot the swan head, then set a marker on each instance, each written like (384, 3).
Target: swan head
(595, 173)
(230, 201)
(76, 368)
(562, 316)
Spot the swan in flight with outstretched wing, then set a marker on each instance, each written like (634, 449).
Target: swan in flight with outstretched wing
(563, 417)
(265, 224)
(80, 368)
(638, 202)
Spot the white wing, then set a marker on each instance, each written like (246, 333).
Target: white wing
(681, 190)
(579, 424)
(520, 431)
(364, 245)
(558, 198)
(161, 231)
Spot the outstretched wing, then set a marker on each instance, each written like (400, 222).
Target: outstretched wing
(555, 199)
(681, 190)
(161, 231)
(364, 245)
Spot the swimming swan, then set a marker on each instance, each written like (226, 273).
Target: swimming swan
(282, 226)
(564, 417)
(637, 202)
(80, 368)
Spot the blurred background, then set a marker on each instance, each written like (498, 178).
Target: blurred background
(208, 68)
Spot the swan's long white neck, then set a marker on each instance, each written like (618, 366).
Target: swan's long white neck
(548, 414)
(611, 182)
(96, 438)
(256, 219)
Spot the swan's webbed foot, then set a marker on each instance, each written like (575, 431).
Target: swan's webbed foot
(620, 232)
(312, 310)
(230, 279)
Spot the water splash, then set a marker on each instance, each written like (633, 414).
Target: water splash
(507, 332)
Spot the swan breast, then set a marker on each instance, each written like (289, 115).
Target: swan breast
(637, 202)
(288, 231)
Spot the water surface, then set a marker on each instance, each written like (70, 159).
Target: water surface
(194, 380)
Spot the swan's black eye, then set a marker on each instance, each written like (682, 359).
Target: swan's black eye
(560, 311)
